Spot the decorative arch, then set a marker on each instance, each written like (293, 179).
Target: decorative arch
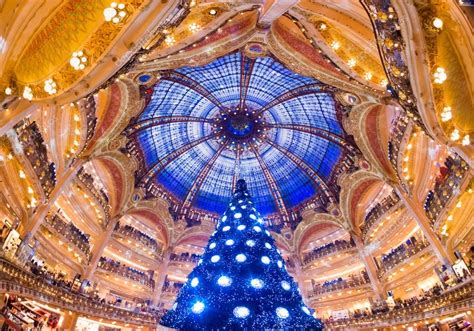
(115, 106)
(116, 170)
(201, 233)
(155, 213)
(370, 124)
(310, 225)
(355, 188)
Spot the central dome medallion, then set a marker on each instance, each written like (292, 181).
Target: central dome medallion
(239, 128)
(253, 118)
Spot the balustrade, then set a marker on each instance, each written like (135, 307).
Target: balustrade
(16, 280)
(400, 254)
(450, 301)
(375, 214)
(35, 151)
(125, 271)
(131, 233)
(328, 249)
(172, 287)
(91, 119)
(400, 125)
(185, 257)
(99, 194)
(447, 184)
(340, 284)
(71, 233)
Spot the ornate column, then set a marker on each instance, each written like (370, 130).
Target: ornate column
(69, 321)
(300, 278)
(418, 213)
(98, 249)
(161, 275)
(370, 267)
(29, 229)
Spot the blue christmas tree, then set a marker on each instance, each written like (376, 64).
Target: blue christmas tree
(241, 279)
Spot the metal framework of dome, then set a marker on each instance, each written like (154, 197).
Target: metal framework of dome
(239, 117)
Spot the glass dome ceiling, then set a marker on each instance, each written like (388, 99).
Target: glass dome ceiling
(237, 117)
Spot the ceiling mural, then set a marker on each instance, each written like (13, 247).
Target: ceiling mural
(205, 127)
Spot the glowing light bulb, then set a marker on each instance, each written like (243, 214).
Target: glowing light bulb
(306, 310)
(194, 282)
(438, 23)
(224, 281)
(455, 135)
(446, 114)
(224, 218)
(265, 260)
(440, 75)
(335, 45)
(466, 140)
(237, 215)
(250, 243)
(226, 228)
(282, 312)
(198, 307)
(241, 227)
(279, 264)
(256, 283)
(229, 242)
(241, 312)
(252, 216)
(212, 245)
(267, 245)
(285, 285)
(215, 258)
(257, 229)
(240, 258)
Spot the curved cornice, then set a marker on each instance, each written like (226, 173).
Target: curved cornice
(349, 189)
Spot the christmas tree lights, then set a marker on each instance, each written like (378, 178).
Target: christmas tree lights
(240, 281)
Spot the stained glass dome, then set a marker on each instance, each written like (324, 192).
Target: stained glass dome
(238, 117)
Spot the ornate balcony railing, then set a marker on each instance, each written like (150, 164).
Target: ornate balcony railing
(15, 280)
(35, 151)
(400, 126)
(450, 302)
(328, 249)
(339, 285)
(99, 194)
(375, 214)
(404, 253)
(91, 120)
(172, 287)
(446, 187)
(70, 233)
(185, 257)
(391, 47)
(125, 271)
(129, 232)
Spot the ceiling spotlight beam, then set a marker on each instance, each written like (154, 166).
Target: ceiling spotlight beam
(167, 159)
(306, 168)
(280, 204)
(184, 80)
(246, 69)
(317, 88)
(193, 191)
(161, 120)
(324, 134)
